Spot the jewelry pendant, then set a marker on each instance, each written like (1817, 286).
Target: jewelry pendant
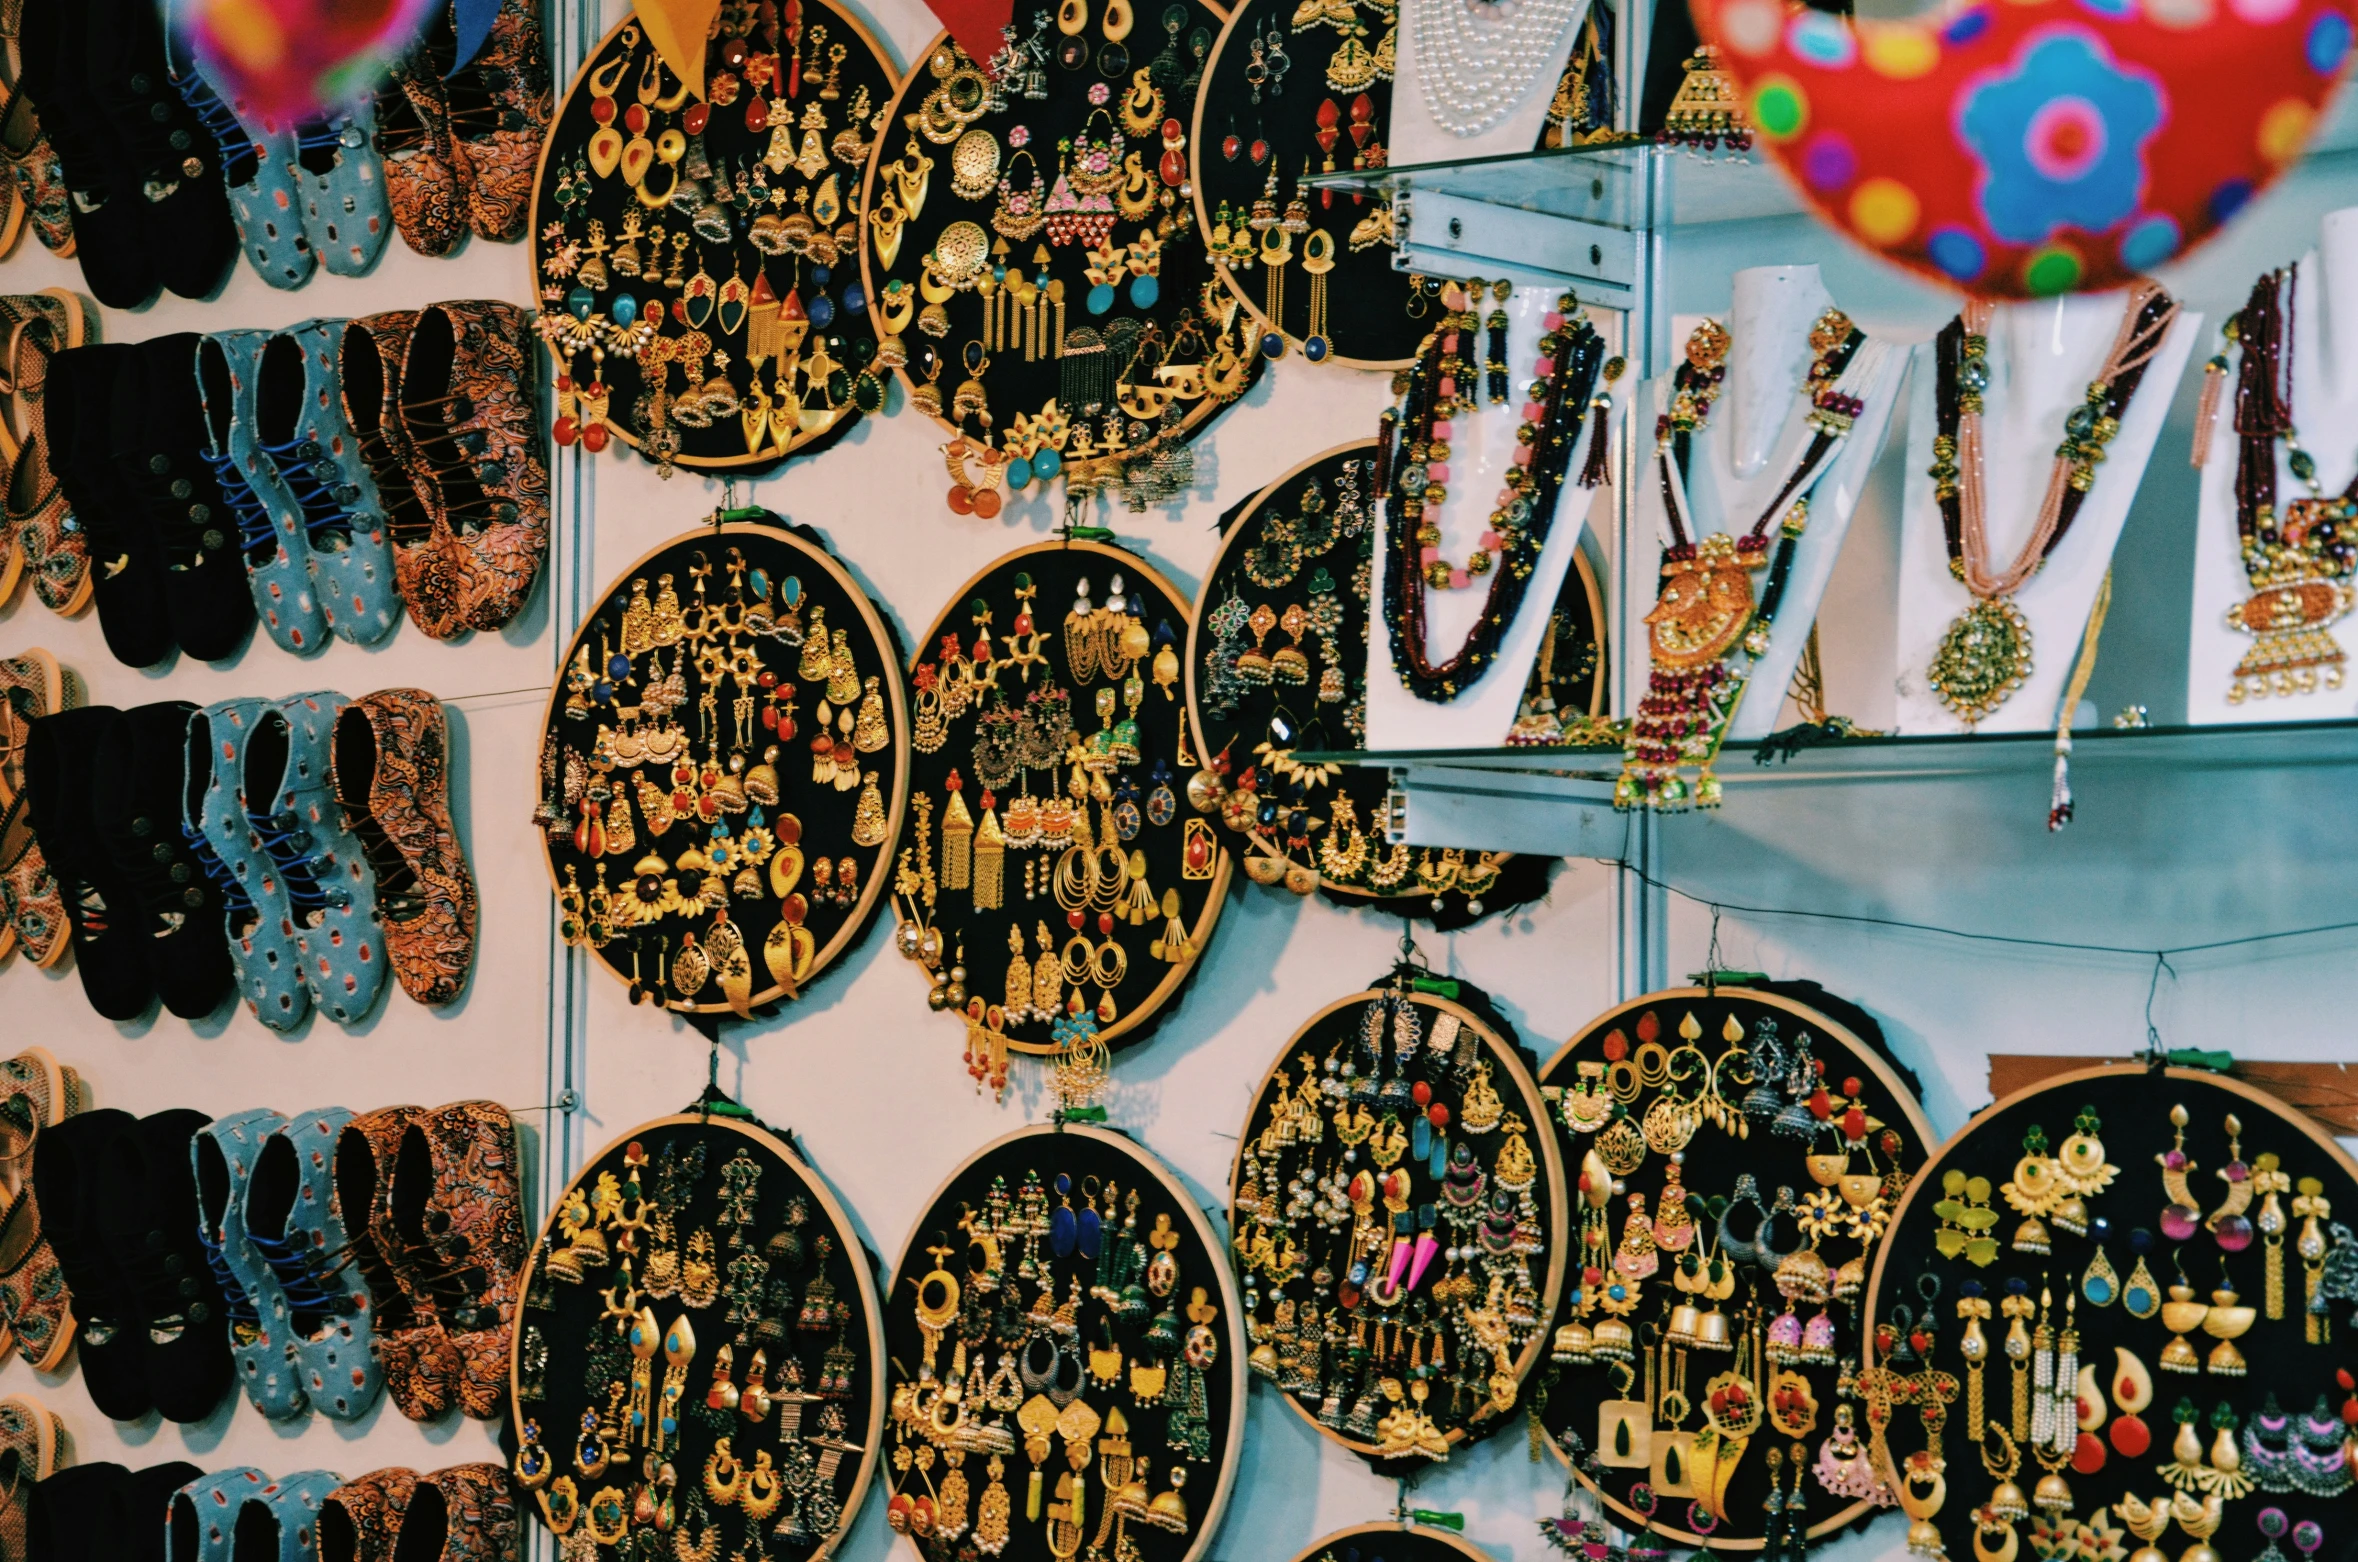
(1983, 659)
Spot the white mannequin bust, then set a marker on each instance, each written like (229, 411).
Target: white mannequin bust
(1751, 444)
(2041, 358)
(2323, 340)
(1481, 447)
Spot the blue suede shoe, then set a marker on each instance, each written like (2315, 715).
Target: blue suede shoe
(260, 923)
(201, 1523)
(261, 1333)
(269, 522)
(343, 185)
(257, 164)
(294, 812)
(299, 425)
(293, 1223)
(280, 1522)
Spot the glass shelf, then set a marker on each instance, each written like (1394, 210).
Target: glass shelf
(1613, 186)
(2259, 745)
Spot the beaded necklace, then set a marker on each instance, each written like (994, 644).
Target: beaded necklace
(1571, 356)
(1705, 616)
(1986, 654)
(2299, 564)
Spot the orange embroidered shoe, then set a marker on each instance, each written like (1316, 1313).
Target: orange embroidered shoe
(392, 756)
(359, 1519)
(413, 142)
(500, 104)
(463, 1514)
(421, 1367)
(45, 536)
(459, 1214)
(467, 379)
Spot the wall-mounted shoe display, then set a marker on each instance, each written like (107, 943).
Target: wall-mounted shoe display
(279, 1522)
(473, 433)
(321, 868)
(104, 1512)
(254, 1306)
(32, 1447)
(201, 1522)
(392, 760)
(299, 428)
(41, 541)
(32, 685)
(359, 1520)
(343, 188)
(269, 522)
(36, 1312)
(80, 1163)
(292, 1221)
(256, 918)
(458, 1211)
(257, 165)
(421, 1366)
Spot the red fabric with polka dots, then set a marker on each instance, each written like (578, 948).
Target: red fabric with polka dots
(2018, 150)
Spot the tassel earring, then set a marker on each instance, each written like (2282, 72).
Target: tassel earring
(1497, 364)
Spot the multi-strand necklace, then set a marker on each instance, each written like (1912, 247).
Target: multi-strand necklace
(2298, 562)
(1986, 654)
(1480, 60)
(1442, 387)
(1706, 632)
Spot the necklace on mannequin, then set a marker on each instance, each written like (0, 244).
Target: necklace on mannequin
(1441, 386)
(1706, 632)
(2299, 561)
(1480, 60)
(1986, 654)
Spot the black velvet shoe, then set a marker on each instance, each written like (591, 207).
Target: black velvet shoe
(174, 162)
(110, 226)
(77, 1514)
(126, 551)
(150, 1216)
(139, 796)
(79, 1167)
(61, 766)
(147, 1510)
(159, 439)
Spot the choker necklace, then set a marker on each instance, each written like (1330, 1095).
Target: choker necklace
(1986, 654)
(1478, 64)
(2299, 564)
(1706, 633)
(1441, 387)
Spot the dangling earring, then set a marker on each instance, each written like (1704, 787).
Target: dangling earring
(2141, 1296)
(2098, 1282)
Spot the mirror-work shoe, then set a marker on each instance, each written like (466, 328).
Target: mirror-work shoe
(292, 808)
(420, 1365)
(255, 915)
(269, 522)
(261, 1333)
(359, 1519)
(201, 1524)
(392, 761)
(293, 1224)
(343, 186)
(299, 426)
(280, 1522)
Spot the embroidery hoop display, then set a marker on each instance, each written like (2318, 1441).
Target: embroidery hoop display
(2239, 1211)
(748, 274)
(1392, 1542)
(797, 1288)
(1367, 314)
(1010, 363)
(711, 678)
(1317, 629)
(1376, 1411)
(1125, 931)
(1795, 1368)
(1156, 1308)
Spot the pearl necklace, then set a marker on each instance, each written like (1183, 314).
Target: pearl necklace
(1475, 69)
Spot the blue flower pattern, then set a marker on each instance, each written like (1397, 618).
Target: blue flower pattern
(2064, 68)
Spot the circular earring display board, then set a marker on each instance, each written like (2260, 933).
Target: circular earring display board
(1399, 1212)
(1047, 287)
(1713, 1315)
(1050, 884)
(2159, 1252)
(723, 769)
(1067, 1371)
(699, 1352)
(697, 251)
(1294, 90)
(1394, 1542)
(1277, 661)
